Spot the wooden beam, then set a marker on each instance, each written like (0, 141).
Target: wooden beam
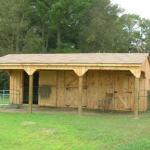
(29, 70)
(136, 72)
(80, 71)
(80, 86)
(30, 92)
(136, 98)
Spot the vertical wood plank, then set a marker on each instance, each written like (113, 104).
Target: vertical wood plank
(48, 78)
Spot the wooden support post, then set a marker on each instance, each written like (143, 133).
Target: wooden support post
(30, 92)
(136, 98)
(80, 95)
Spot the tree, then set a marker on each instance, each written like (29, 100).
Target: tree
(42, 26)
(102, 28)
(131, 25)
(16, 27)
(66, 15)
(146, 34)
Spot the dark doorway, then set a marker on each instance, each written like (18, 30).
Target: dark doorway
(26, 88)
(4, 80)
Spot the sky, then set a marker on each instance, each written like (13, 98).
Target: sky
(140, 7)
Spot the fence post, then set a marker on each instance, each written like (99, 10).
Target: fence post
(3, 95)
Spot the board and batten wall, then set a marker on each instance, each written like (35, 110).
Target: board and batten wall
(145, 84)
(16, 86)
(64, 89)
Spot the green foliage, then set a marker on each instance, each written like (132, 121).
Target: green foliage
(4, 81)
(133, 30)
(43, 26)
(102, 30)
(32, 43)
(15, 25)
(146, 31)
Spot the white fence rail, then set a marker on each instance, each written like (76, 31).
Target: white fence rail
(4, 97)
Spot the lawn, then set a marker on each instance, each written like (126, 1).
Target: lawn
(68, 131)
(4, 100)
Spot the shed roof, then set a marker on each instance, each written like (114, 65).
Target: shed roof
(76, 58)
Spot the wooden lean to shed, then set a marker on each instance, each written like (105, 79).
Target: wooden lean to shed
(94, 81)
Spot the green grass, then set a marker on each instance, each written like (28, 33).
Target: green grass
(68, 131)
(4, 100)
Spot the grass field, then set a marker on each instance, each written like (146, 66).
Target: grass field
(4, 100)
(67, 131)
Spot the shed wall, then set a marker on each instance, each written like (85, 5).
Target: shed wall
(16, 86)
(146, 82)
(64, 89)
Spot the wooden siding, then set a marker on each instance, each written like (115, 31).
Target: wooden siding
(48, 78)
(16, 86)
(145, 77)
(64, 88)
(119, 83)
(96, 84)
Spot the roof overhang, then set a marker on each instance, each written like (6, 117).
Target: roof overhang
(80, 63)
(79, 69)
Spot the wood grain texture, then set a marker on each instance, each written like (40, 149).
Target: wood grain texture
(98, 79)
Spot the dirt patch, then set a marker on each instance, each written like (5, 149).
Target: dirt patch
(28, 123)
(48, 131)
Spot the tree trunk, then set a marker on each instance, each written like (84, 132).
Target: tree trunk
(12, 43)
(58, 37)
(43, 39)
(17, 43)
(46, 41)
(18, 33)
